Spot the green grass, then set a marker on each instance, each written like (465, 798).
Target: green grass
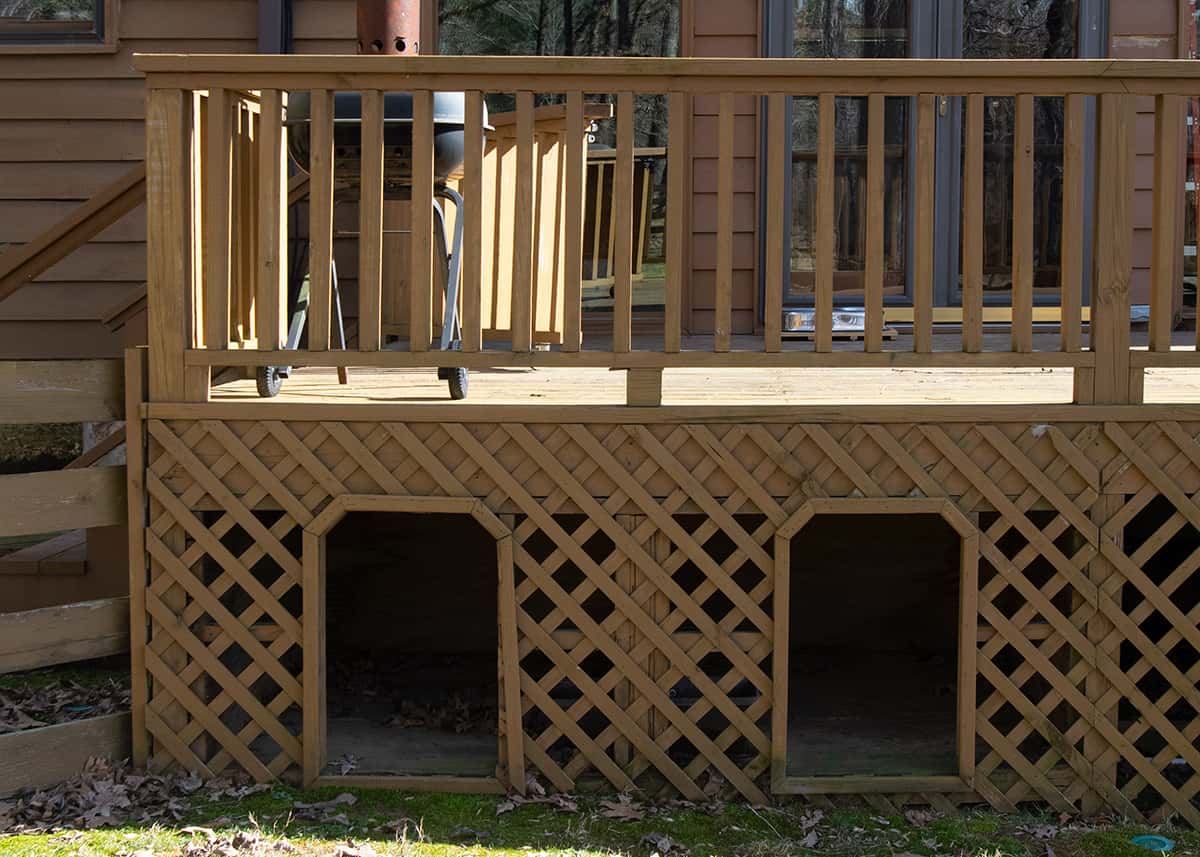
(429, 825)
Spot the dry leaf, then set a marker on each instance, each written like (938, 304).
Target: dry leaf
(660, 842)
(622, 809)
(810, 841)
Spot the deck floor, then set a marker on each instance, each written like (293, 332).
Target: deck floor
(829, 386)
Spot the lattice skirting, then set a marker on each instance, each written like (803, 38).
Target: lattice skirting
(1082, 669)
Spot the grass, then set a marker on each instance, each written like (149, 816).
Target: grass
(438, 825)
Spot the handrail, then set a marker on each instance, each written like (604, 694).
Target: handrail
(510, 255)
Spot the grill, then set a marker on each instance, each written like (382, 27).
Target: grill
(448, 138)
(385, 27)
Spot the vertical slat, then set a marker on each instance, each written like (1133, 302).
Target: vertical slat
(522, 265)
(778, 140)
(217, 219)
(271, 300)
(514, 735)
(923, 228)
(825, 227)
(575, 166)
(1168, 137)
(198, 300)
(1022, 225)
(320, 216)
(782, 601)
(597, 219)
(676, 203)
(723, 299)
(420, 259)
(873, 275)
(1071, 253)
(972, 227)
(168, 266)
(472, 297)
(622, 227)
(313, 727)
(1114, 237)
(370, 224)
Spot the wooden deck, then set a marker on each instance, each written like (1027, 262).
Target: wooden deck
(518, 385)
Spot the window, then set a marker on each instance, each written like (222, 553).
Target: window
(55, 24)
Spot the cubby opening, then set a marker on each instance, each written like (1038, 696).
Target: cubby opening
(411, 646)
(873, 631)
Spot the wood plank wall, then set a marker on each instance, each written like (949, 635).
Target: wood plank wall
(1145, 29)
(723, 28)
(70, 123)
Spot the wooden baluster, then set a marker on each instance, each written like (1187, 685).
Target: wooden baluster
(320, 218)
(923, 227)
(972, 227)
(873, 275)
(622, 227)
(825, 226)
(723, 303)
(198, 302)
(420, 259)
(1071, 284)
(677, 168)
(778, 143)
(1022, 225)
(472, 295)
(270, 304)
(1168, 137)
(168, 270)
(370, 224)
(522, 265)
(217, 219)
(575, 165)
(1114, 238)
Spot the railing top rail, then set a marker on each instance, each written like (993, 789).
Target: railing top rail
(684, 74)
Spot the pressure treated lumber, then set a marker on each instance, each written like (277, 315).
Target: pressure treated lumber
(61, 391)
(59, 635)
(56, 500)
(39, 758)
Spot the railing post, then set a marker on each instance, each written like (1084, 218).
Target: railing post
(168, 240)
(1112, 381)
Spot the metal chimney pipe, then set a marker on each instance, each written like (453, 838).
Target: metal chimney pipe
(389, 27)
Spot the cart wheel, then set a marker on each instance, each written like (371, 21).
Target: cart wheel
(269, 381)
(457, 378)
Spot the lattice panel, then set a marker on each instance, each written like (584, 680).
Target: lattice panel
(644, 581)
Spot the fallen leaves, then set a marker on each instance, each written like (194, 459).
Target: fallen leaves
(31, 706)
(109, 794)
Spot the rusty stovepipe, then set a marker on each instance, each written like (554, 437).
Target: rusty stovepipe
(389, 27)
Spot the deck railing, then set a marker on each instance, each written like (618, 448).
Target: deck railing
(189, 302)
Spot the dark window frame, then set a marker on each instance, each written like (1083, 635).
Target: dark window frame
(97, 35)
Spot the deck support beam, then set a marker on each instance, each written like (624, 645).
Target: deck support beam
(643, 388)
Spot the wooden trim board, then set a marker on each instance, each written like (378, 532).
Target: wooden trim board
(37, 758)
(59, 635)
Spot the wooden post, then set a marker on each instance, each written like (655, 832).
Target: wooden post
(217, 218)
(1114, 237)
(972, 227)
(522, 236)
(271, 301)
(420, 260)
(873, 275)
(923, 228)
(1071, 284)
(135, 493)
(1168, 138)
(168, 241)
(1022, 225)
(320, 215)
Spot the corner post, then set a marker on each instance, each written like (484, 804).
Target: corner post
(135, 475)
(643, 388)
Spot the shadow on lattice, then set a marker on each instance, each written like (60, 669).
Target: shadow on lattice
(1166, 548)
(1038, 572)
(251, 611)
(689, 583)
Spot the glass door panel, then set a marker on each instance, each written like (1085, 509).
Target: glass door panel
(1019, 29)
(847, 28)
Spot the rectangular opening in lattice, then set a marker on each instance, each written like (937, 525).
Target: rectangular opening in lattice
(411, 645)
(873, 619)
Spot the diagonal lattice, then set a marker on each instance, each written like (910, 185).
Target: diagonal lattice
(644, 581)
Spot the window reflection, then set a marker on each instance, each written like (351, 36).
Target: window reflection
(863, 29)
(1021, 29)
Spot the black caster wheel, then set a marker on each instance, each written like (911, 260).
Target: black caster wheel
(269, 381)
(457, 379)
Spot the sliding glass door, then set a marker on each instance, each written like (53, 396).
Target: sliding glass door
(1030, 29)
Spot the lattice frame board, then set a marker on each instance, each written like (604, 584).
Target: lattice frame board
(1085, 652)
